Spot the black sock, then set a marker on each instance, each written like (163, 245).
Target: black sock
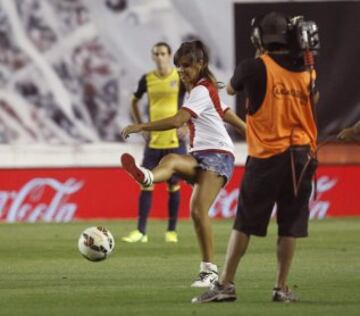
(173, 207)
(145, 200)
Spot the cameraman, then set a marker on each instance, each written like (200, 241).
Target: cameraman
(281, 136)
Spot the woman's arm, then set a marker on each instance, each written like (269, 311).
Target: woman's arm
(231, 118)
(229, 89)
(348, 134)
(176, 121)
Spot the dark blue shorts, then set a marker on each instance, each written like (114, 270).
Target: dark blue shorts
(152, 157)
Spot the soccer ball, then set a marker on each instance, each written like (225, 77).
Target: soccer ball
(96, 243)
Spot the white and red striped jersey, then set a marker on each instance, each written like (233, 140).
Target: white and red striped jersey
(206, 126)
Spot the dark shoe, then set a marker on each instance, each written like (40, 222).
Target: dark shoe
(283, 296)
(217, 293)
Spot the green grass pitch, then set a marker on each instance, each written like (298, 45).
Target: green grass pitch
(42, 272)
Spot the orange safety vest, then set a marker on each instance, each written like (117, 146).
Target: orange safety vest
(285, 116)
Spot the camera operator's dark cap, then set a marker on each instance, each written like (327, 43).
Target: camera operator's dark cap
(274, 27)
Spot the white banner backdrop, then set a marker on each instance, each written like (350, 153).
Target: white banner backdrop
(68, 68)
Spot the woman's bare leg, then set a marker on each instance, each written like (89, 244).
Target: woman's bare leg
(204, 193)
(183, 165)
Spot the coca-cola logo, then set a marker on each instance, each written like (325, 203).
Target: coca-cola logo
(40, 199)
(225, 204)
(319, 206)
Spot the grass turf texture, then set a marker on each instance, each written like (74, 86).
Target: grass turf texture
(42, 272)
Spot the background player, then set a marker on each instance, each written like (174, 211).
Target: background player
(165, 93)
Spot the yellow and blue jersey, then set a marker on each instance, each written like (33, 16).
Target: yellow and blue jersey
(165, 95)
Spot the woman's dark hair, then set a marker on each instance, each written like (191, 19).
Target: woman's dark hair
(196, 51)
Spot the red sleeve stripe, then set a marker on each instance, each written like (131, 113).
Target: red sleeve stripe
(214, 96)
(193, 114)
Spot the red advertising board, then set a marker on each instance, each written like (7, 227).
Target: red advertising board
(58, 195)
